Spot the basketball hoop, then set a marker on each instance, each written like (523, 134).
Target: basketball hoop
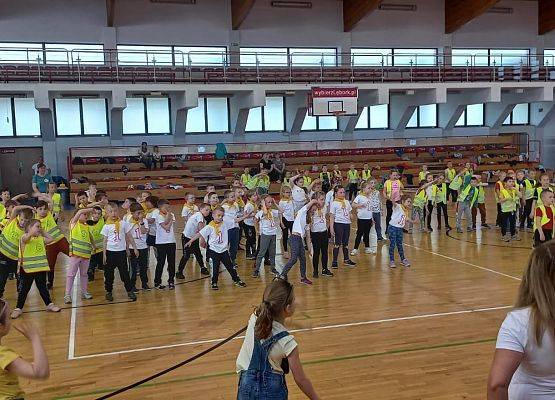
(338, 113)
(335, 102)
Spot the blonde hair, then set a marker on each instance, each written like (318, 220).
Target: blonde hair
(537, 290)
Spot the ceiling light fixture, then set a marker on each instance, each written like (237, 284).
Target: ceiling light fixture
(291, 4)
(397, 7)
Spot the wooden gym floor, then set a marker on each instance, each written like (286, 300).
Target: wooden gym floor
(427, 332)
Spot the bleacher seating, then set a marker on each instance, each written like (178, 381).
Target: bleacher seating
(197, 170)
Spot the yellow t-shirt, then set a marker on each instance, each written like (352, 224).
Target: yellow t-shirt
(9, 383)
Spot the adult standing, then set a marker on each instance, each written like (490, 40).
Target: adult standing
(266, 162)
(278, 172)
(35, 166)
(41, 180)
(145, 156)
(523, 366)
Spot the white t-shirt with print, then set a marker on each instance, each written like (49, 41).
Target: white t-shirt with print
(191, 227)
(535, 377)
(366, 211)
(152, 227)
(398, 217)
(268, 226)
(280, 350)
(341, 212)
(187, 210)
(231, 212)
(164, 236)
(249, 209)
(299, 226)
(218, 242)
(319, 223)
(329, 199)
(288, 209)
(138, 236)
(298, 194)
(116, 239)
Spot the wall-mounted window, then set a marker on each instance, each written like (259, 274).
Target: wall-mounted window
(145, 55)
(210, 116)
(270, 118)
(519, 116)
(67, 53)
(147, 116)
(489, 57)
(320, 123)
(424, 117)
(312, 57)
(279, 56)
(390, 56)
(374, 117)
(197, 55)
(81, 116)
(549, 57)
(265, 56)
(18, 117)
(473, 115)
(21, 53)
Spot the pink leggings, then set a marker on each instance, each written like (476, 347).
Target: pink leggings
(77, 264)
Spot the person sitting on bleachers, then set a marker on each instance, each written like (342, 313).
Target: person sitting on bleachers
(144, 155)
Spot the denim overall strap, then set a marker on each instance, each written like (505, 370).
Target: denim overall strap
(261, 351)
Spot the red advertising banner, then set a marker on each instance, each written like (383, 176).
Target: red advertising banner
(318, 92)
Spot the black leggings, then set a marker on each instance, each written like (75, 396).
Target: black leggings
(116, 259)
(193, 249)
(139, 266)
(26, 281)
(165, 251)
(225, 259)
(7, 267)
(286, 231)
(430, 208)
(525, 216)
(342, 233)
(353, 188)
(442, 209)
(363, 232)
(320, 250)
(388, 213)
(508, 218)
(250, 238)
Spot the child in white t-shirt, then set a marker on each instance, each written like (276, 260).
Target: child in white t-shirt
(194, 224)
(165, 245)
(362, 205)
(288, 217)
(298, 192)
(250, 231)
(139, 231)
(317, 220)
(189, 208)
(340, 226)
(117, 240)
(232, 211)
(215, 235)
(395, 233)
(268, 220)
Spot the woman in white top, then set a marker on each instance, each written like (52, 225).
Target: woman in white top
(269, 351)
(524, 362)
(340, 226)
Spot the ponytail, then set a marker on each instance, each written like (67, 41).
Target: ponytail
(277, 296)
(264, 320)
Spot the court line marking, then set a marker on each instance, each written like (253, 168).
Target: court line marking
(316, 328)
(465, 262)
(72, 324)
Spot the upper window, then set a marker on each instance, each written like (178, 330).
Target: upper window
(81, 116)
(424, 117)
(490, 57)
(210, 116)
(470, 57)
(21, 53)
(374, 117)
(473, 115)
(145, 55)
(389, 57)
(263, 56)
(319, 123)
(18, 117)
(270, 118)
(147, 115)
(519, 116)
(65, 53)
(200, 55)
(280, 56)
(549, 57)
(311, 57)
(414, 57)
(371, 57)
(509, 57)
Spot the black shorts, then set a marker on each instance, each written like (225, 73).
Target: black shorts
(151, 240)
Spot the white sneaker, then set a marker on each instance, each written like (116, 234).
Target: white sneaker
(370, 250)
(87, 296)
(354, 252)
(67, 299)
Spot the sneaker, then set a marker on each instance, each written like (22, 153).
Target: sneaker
(53, 308)
(135, 290)
(11, 276)
(369, 250)
(349, 263)
(448, 228)
(459, 230)
(147, 288)
(86, 296)
(132, 296)
(16, 313)
(354, 252)
(109, 296)
(405, 263)
(159, 287)
(171, 286)
(392, 264)
(334, 266)
(250, 258)
(205, 272)
(267, 263)
(286, 254)
(240, 283)
(274, 271)
(470, 229)
(327, 272)
(315, 275)
(306, 281)
(180, 275)
(67, 299)
(485, 226)
(506, 238)
(255, 274)
(214, 286)
(515, 238)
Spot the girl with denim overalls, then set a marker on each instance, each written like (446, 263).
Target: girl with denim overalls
(269, 351)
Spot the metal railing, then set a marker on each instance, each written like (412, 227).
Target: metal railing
(174, 65)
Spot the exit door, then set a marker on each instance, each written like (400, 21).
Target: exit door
(15, 168)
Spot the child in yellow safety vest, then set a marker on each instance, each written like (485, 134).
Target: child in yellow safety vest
(354, 178)
(392, 191)
(420, 202)
(450, 174)
(441, 197)
(509, 197)
(9, 243)
(81, 248)
(33, 266)
(529, 184)
(59, 243)
(423, 173)
(466, 200)
(480, 205)
(544, 185)
(544, 225)
(95, 223)
(56, 200)
(501, 175)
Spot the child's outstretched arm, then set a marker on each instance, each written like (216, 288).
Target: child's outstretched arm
(38, 368)
(302, 381)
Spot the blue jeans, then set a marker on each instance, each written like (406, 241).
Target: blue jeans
(395, 236)
(233, 237)
(377, 217)
(297, 253)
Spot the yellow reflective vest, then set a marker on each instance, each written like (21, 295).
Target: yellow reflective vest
(9, 240)
(544, 217)
(80, 241)
(49, 225)
(33, 256)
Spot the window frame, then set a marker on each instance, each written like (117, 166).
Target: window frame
(148, 64)
(263, 117)
(81, 123)
(465, 119)
(510, 116)
(435, 55)
(176, 46)
(14, 122)
(205, 107)
(71, 62)
(489, 56)
(145, 116)
(318, 124)
(418, 125)
(369, 128)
